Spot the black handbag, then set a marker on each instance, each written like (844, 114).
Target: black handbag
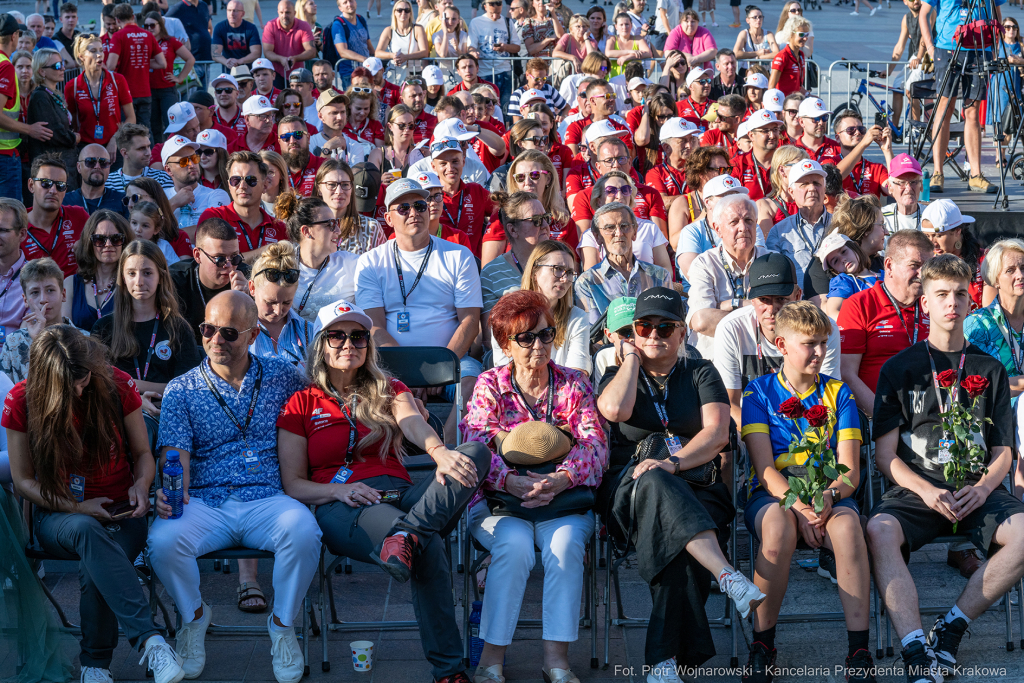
(654, 446)
(575, 501)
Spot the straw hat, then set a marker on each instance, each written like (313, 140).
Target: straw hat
(534, 443)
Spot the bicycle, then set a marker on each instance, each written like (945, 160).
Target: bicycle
(884, 113)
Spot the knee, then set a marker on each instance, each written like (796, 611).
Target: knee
(299, 527)
(163, 541)
(778, 531)
(884, 532)
(513, 550)
(480, 455)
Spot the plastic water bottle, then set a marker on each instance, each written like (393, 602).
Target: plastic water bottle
(173, 480)
(476, 643)
(926, 191)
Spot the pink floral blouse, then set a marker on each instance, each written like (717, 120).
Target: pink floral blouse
(496, 407)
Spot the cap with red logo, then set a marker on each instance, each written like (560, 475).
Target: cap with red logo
(453, 128)
(602, 129)
(262, 63)
(178, 116)
(531, 95)
(428, 180)
(804, 168)
(174, 147)
(212, 137)
(761, 118)
(257, 105)
(721, 185)
(677, 127)
(773, 100)
(812, 108)
(756, 81)
(338, 311)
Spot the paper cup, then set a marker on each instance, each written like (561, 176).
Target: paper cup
(362, 655)
(396, 173)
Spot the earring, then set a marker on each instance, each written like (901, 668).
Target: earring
(957, 244)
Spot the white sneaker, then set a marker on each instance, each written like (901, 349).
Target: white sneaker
(873, 12)
(742, 590)
(854, 13)
(284, 647)
(190, 644)
(94, 674)
(162, 661)
(664, 672)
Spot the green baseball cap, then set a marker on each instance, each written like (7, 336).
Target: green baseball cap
(620, 313)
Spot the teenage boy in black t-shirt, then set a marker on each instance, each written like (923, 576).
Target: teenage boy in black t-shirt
(922, 505)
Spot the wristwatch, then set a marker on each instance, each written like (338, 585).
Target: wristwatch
(674, 459)
(836, 496)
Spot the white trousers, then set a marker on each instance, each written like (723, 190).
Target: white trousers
(278, 524)
(511, 541)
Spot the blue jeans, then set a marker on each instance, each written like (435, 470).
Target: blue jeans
(504, 83)
(10, 177)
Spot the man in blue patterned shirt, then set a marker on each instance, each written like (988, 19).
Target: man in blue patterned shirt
(221, 417)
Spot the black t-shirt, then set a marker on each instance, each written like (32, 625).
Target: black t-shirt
(193, 295)
(692, 384)
(68, 43)
(168, 360)
(905, 400)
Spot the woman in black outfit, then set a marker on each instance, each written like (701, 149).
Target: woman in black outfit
(46, 104)
(677, 529)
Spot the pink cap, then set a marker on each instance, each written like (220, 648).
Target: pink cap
(902, 164)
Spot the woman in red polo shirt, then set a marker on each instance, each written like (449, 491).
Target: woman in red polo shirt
(340, 445)
(70, 428)
(789, 65)
(97, 98)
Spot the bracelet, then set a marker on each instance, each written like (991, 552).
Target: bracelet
(634, 353)
(430, 451)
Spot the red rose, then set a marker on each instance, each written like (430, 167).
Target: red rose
(946, 378)
(792, 408)
(816, 416)
(974, 385)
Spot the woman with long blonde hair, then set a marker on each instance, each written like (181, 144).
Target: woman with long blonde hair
(340, 445)
(404, 43)
(779, 204)
(335, 184)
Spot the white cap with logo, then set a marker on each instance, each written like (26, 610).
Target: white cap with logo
(603, 129)
(453, 128)
(338, 311)
(721, 185)
(677, 127)
(257, 105)
(178, 116)
(262, 63)
(804, 168)
(812, 108)
(175, 145)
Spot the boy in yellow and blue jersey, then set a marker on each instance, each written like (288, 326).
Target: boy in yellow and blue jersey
(802, 331)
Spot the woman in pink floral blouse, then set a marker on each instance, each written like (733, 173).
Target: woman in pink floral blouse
(532, 387)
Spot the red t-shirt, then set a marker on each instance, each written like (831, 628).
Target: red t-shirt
(693, 112)
(135, 46)
(574, 133)
(633, 117)
(567, 233)
(371, 131)
(561, 159)
(461, 85)
(489, 161)
(424, 129)
(269, 230)
(237, 125)
(60, 243)
(315, 415)
(830, 151)
(9, 88)
(183, 245)
(469, 210)
(108, 480)
(106, 40)
(272, 95)
(238, 144)
(667, 180)
(114, 94)
(866, 178)
(869, 325)
(791, 68)
(164, 78)
(304, 181)
(716, 138)
(752, 175)
(648, 204)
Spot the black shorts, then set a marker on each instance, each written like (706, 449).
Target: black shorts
(959, 85)
(734, 3)
(921, 525)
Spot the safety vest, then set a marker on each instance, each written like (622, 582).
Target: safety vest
(10, 139)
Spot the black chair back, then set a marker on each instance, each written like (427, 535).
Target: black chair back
(421, 367)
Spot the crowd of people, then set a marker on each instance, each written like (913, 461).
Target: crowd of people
(209, 233)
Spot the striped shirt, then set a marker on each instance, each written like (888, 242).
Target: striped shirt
(119, 181)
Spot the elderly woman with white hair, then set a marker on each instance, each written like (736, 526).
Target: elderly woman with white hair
(998, 329)
(46, 105)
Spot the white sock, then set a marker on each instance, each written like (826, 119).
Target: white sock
(956, 613)
(401, 533)
(154, 641)
(917, 635)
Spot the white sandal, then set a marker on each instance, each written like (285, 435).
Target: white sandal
(559, 676)
(491, 673)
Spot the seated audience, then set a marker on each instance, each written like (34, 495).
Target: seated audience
(814, 118)
(864, 177)
(950, 233)
(255, 227)
(48, 220)
(135, 149)
(779, 203)
(998, 329)
(798, 236)
(293, 139)
(181, 160)
(678, 139)
(93, 194)
(276, 182)
(97, 251)
(149, 190)
(753, 168)
(274, 284)
(429, 181)
(904, 185)
(850, 270)
(702, 165)
(618, 324)
(467, 206)
(42, 290)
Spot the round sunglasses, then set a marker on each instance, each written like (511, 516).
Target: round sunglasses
(526, 339)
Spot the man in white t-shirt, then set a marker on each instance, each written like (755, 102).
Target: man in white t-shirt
(496, 38)
(420, 290)
(181, 160)
(668, 12)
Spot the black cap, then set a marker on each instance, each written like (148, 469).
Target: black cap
(367, 177)
(660, 301)
(772, 275)
(201, 97)
(9, 25)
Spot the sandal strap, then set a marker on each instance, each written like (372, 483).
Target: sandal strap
(249, 590)
(491, 673)
(562, 676)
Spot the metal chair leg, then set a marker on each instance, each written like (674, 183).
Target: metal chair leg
(325, 663)
(608, 601)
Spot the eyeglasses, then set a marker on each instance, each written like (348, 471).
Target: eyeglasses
(662, 118)
(294, 135)
(152, 26)
(336, 338)
(526, 339)
(445, 145)
(626, 332)
(184, 162)
(560, 272)
(538, 221)
(791, 112)
(93, 162)
(131, 200)
(362, 90)
(756, 17)
(290, 275)
(906, 183)
(229, 334)
(46, 184)
(333, 224)
(224, 91)
(853, 130)
(664, 330)
(614, 160)
(1009, 27)
(102, 240)
(208, 152)
(404, 208)
(480, 99)
(436, 198)
(333, 186)
(534, 176)
(220, 261)
(265, 118)
(604, 68)
(536, 140)
(623, 228)
(606, 96)
(618, 191)
(56, 66)
(404, 126)
(236, 180)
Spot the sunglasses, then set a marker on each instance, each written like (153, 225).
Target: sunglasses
(151, 26)
(56, 66)
(102, 240)
(403, 10)
(534, 176)
(608, 96)
(93, 162)
(626, 332)
(403, 209)
(664, 330)
(415, 81)
(46, 184)
(480, 99)
(853, 130)
(224, 91)
(624, 191)
(229, 334)
(208, 152)
(290, 275)
(791, 112)
(802, 34)
(294, 135)
(333, 224)
(184, 162)
(236, 180)
(362, 90)
(796, 11)
(131, 200)
(445, 145)
(703, 81)
(219, 261)
(724, 170)
(538, 221)
(526, 339)
(538, 141)
(336, 338)
(818, 119)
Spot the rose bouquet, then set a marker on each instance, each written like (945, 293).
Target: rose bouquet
(821, 466)
(959, 454)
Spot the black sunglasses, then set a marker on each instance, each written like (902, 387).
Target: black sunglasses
(208, 152)
(224, 91)
(102, 240)
(46, 184)
(93, 162)
(664, 330)
(336, 338)
(296, 135)
(538, 221)
(219, 261)
(853, 130)
(625, 332)
(250, 180)
(403, 209)
(129, 200)
(229, 334)
(291, 275)
(526, 339)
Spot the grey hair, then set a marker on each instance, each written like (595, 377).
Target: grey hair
(993, 263)
(39, 59)
(613, 207)
(16, 208)
(731, 200)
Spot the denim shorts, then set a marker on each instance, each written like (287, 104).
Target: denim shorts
(760, 498)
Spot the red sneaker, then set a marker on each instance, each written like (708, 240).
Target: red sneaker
(460, 677)
(395, 555)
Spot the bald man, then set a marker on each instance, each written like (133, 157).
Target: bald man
(94, 167)
(221, 419)
(287, 42)
(235, 40)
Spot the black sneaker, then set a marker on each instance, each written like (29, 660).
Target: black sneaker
(920, 664)
(944, 640)
(860, 668)
(759, 664)
(827, 565)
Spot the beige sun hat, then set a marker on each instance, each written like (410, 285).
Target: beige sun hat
(534, 443)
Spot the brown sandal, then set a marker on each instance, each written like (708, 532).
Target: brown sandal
(251, 591)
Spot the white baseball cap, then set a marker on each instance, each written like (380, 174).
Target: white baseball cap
(174, 146)
(761, 118)
(257, 105)
(178, 116)
(812, 108)
(338, 311)
(531, 95)
(444, 145)
(773, 100)
(603, 129)
(677, 127)
(262, 63)
(453, 128)
(832, 241)
(428, 180)
(373, 65)
(804, 168)
(227, 78)
(637, 82)
(943, 215)
(742, 130)
(432, 75)
(211, 137)
(695, 73)
(755, 81)
(721, 185)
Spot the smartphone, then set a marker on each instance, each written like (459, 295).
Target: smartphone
(880, 119)
(121, 510)
(392, 496)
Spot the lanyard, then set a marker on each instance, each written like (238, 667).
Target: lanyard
(401, 277)
(245, 234)
(858, 184)
(899, 314)
(96, 101)
(446, 213)
(801, 222)
(659, 398)
(738, 291)
(673, 186)
(149, 354)
(708, 232)
(305, 297)
(1016, 348)
(757, 173)
(896, 220)
(760, 354)
(697, 107)
(99, 304)
(56, 235)
(9, 283)
(516, 259)
(242, 429)
(955, 389)
(347, 414)
(550, 409)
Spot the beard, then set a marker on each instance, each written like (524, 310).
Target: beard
(297, 159)
(94, 179)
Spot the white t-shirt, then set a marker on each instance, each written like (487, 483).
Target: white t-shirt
(484, 34)
(450, 281)
(574, 353)
(336, 281)
(472, 172)
(673, 8)
(176, 29)
(204, 198)
(648, 236)
(312, 118)
(167, 250)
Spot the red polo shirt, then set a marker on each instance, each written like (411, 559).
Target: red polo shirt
(870, 325)
(114, 94)
(236, 125)
(304, 181)
(561, 159)
(791, 67)
(830, 151)
(135, 46)
(752, 175)
(489, 161)
(269, 230)
(274, 92)
(716, 138)
(582, 176)
(574, 133)
(468, 209)
(371, 131)
(164, 78)
(667, 180)
(59, 242)
(692, 111)
(567, 233)
(866, 178)
(424, 129)
(462, 86)
(649, 204)
(238, 144)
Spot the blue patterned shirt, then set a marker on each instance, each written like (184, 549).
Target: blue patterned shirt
(292, 344)
(192, 420)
